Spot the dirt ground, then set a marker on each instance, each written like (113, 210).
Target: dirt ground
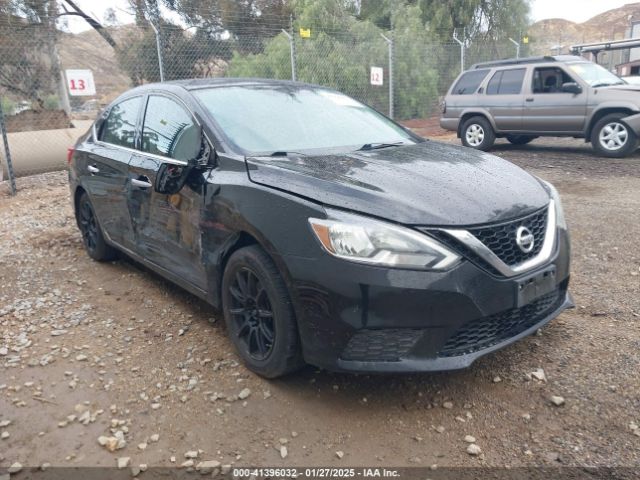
(143, 357)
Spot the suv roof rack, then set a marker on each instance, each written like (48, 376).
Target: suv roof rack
(513, 61)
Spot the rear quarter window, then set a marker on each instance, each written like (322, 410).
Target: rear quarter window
(469, 82)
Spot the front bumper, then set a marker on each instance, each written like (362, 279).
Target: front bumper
(361, 318)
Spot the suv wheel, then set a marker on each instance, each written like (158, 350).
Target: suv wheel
(259, 315)
(520, 139)
(610, 137)
(92, 237)
(477, 133)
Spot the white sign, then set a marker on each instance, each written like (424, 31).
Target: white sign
(80, 83)
(377, 74)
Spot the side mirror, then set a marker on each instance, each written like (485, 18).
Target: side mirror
(171, 178)
(571, 87)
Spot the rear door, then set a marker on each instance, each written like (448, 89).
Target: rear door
(167, 227)
(504, 98)
(103, 169)
(549, 109)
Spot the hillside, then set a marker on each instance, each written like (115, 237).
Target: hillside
(610, 25)
(89, 50)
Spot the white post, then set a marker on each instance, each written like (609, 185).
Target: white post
(517, 47)
(391, 102)
(461, 43)
(292, 49)
(159, 48)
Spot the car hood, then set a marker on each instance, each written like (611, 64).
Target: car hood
(428, 183)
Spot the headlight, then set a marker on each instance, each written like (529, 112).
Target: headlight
(560, 220)
(365, 240)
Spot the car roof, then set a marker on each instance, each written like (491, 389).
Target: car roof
(527, 60)
(199, 83)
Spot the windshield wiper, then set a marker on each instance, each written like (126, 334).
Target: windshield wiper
(606, 84)
(378, 145)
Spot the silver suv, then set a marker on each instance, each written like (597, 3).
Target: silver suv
(559, 96)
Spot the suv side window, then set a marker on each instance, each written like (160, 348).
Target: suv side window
(169, 130)
(120, 126)
(506, 82)
(549, 80)
(469, 82)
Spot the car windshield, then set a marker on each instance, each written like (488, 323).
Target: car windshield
(595, 75)
(267, 119)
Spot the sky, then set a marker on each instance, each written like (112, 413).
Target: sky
(574, 10)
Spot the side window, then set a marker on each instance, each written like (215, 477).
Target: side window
(469, 82)
(549, 80)
(506, 82)
(168, 129)
(120, 126)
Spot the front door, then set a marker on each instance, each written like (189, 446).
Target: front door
(167, 227)
(548, 109)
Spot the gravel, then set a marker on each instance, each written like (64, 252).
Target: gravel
(56, 305)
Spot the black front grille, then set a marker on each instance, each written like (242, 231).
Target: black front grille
(485, 332)
(386, 345)
(501, 239)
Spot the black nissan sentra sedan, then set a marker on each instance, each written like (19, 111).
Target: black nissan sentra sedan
(325, 232)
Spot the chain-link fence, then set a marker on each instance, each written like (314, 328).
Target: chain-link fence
(53, 83)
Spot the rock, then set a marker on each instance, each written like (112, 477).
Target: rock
(5, 423)
(557, 400)
(497, 379)
(439, 429)
(4, 435)
(143, 467)
(474, 449)
(191, 454)
(552, 456)
(539, 374)
(447, 405)
(123, 462)
(155, 406)
(102, 440)
(187, 463)
(85, 418)
(283, 451)
(470, 439)
(4, 351)
(340, 454)
(135, 471)
(244, 394)
(154, 438)
(14, 468)
(207, 467)
(225, 469)
(81, 358)
(142, 446)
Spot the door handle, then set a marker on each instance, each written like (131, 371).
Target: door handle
(141, 182)
(530, 99)
(92, 169)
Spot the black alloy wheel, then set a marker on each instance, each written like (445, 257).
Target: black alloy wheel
(252, 313)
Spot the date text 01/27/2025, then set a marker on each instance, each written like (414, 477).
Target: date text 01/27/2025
(319, 472)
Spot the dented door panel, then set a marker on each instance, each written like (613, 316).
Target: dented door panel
(167, 227)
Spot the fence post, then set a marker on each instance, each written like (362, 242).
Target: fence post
(455, 37)
(391, 53)
(292, 49)
(7, 153)
(517, 47)
(159, 48)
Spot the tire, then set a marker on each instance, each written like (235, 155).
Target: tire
(520, 139)
(92, 237)
(612, 138)
(477, 133)
(259, 314)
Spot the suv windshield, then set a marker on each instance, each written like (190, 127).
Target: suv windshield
(284, 118)
(595, 75)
